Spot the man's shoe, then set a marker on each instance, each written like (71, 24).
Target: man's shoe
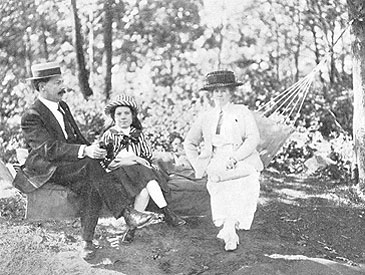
(171, 218)
(88, 250)
(135, 219)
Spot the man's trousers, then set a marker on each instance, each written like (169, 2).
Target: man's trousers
(94, 187)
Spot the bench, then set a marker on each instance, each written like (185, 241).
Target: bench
(52, 201)
(55, 202)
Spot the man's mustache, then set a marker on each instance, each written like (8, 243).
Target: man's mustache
(66, 90)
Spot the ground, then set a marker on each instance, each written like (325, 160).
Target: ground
(302, 226)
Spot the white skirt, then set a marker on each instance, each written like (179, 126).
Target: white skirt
(236, 199)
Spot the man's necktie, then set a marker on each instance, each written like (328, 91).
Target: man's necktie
(68, 128)
(219, 124)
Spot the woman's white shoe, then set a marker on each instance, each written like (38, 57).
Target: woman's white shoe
(231, 245)
(231, 240)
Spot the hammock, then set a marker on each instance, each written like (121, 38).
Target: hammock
(275, 119)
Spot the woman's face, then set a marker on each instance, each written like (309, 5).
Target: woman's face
(123, 117)
(221, 95)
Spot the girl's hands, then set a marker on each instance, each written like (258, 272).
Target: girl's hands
(142, 161)
(119, 162)
(127, 161)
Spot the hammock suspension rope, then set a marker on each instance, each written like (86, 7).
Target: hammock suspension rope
(286, 106)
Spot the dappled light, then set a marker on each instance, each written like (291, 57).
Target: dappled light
(301, 66)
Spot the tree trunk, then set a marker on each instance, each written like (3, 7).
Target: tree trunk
(220, 46)
(91, 47)
(297, 21)
(82, 73)
(357, 13)
(44, 38)
(108, 20)
(318, 59)
(27, 51)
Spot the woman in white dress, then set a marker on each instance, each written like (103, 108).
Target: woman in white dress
(228, 157)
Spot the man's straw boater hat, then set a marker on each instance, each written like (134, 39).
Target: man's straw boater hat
(45, 70)
(121, 100)
(220, 79)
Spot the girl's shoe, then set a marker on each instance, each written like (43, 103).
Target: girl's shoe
(171, 218)
(129, 235)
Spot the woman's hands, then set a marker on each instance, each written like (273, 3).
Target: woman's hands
(127, 161)
(217, 174)
(231, 163)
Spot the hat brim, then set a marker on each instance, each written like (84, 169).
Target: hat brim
(210, 87)
(110, 106)
(41, 77)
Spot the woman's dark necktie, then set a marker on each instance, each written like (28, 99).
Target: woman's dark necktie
(219, 124)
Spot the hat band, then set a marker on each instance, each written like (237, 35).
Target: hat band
(221, 78)
(47, 72)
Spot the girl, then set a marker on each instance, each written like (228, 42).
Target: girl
(131, 161)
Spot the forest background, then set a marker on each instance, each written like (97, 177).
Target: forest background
(160, 50)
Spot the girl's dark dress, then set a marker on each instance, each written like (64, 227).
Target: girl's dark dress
(133, 178)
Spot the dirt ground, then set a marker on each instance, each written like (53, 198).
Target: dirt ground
(302, 226)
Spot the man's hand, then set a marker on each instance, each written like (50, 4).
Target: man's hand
(94, 151)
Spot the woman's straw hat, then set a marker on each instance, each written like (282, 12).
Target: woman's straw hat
(218, 79)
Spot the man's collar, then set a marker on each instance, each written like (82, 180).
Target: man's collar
(50, 104)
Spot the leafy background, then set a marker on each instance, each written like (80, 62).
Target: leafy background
(161, 50)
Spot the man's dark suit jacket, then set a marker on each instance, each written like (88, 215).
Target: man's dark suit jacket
(47, 145)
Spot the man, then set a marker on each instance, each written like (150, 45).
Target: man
(59, 153)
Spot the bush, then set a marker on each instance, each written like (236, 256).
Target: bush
(13, 207)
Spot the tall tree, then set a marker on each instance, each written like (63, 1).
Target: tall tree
(357, 15)
(108, 20)
(82, 74)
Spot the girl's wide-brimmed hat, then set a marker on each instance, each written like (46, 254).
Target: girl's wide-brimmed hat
(121, 100)
(218, 79)
(45, 70)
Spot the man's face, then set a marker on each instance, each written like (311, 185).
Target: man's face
(52, 90)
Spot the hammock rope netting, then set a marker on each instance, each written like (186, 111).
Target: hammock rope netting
(276, 118)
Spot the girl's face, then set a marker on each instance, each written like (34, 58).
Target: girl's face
(123, 117)
(222, 95)
(177, 145)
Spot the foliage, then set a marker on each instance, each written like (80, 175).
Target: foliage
(13, 207)
(336, 152)
(161, 52)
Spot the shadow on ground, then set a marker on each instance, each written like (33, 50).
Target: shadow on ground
(302, 226)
